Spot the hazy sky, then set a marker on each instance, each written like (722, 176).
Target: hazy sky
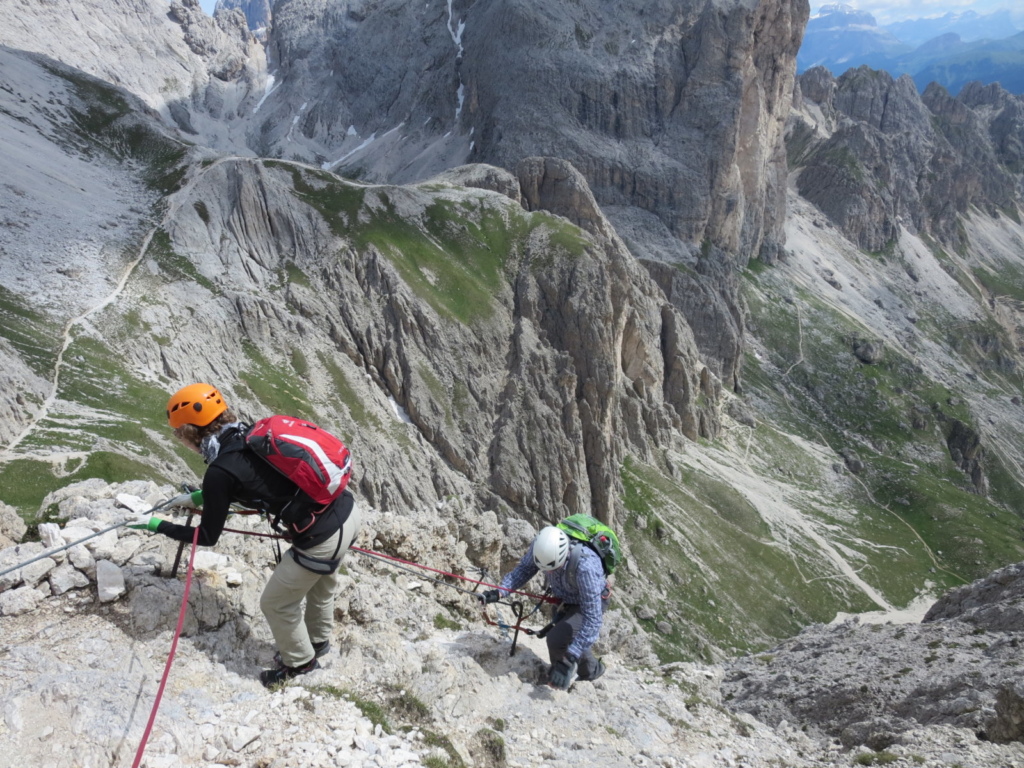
(888, 11)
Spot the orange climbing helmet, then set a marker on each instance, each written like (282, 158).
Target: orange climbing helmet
(197, 404)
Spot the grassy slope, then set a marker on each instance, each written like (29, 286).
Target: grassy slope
(454, 257)
(739, 537)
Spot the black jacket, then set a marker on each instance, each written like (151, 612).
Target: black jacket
(239, 475)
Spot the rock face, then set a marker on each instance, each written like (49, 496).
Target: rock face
(673, 113)
(535, 391)
(993, 604)
(12, 527)
(967, 452)
(873, 684)
(203, 75)
(623, 97)
(874, 155)
(258, 13)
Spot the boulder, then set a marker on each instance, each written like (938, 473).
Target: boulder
(11, 524)
(11, 556)
(66, 577)
(869, 351)
(82, 559)
(18, 601)
(109, 581)
(49, 535)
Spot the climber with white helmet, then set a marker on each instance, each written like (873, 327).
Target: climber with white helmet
(574, 574)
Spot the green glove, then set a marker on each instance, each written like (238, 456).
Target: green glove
(145, 523)
(189, 500)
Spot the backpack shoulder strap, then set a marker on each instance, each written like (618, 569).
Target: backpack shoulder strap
(573, 565)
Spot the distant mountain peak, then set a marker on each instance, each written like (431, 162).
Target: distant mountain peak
(846, 15)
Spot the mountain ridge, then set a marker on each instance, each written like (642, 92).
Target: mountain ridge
(951, 50)
(779, 436)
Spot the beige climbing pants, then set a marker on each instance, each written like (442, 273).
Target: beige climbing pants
(294, 629)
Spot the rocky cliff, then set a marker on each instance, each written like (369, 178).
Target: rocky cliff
(203, 75)
(875, 684)
(875, 155)
(673, 114)
(258, 13)
(529, 353)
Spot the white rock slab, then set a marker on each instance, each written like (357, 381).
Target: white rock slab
(109, 581)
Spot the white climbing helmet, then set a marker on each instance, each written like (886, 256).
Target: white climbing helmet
(550, 548)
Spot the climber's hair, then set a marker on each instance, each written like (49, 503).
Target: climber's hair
(193, 436)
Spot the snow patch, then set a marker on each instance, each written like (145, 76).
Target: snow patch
(328, 164)
(400, 412)
(269, 89)
(456, 30)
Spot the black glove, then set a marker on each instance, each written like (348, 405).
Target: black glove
(563, 672)
(490, 596)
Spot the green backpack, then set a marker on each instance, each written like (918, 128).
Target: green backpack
(596, 535)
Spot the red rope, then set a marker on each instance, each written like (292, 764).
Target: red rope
(253, 533)
(532, 596)
(381, 555)
(170, 658)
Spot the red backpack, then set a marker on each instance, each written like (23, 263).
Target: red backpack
(311, 457)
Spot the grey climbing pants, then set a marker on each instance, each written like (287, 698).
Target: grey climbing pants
(561, 636)
(294, 629)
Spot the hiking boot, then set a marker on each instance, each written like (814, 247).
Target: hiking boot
(598, 671)
(319, 649)
(271, 677)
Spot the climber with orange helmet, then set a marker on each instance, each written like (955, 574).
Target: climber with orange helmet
(574, 574)
(320, 535)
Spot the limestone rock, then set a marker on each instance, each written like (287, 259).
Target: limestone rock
(33, 573)
(11, 557)
(258, 13)
(872, 684)
(49, 535)
(200, 73)
(242, 737)
(15, 602)
(11, 524)
(869, 351)
(109, 581)
(66, 577)
(968, 453)
(1008, 723)
(875, 155)
(82, 559)
(482, 176)
(994, 603)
